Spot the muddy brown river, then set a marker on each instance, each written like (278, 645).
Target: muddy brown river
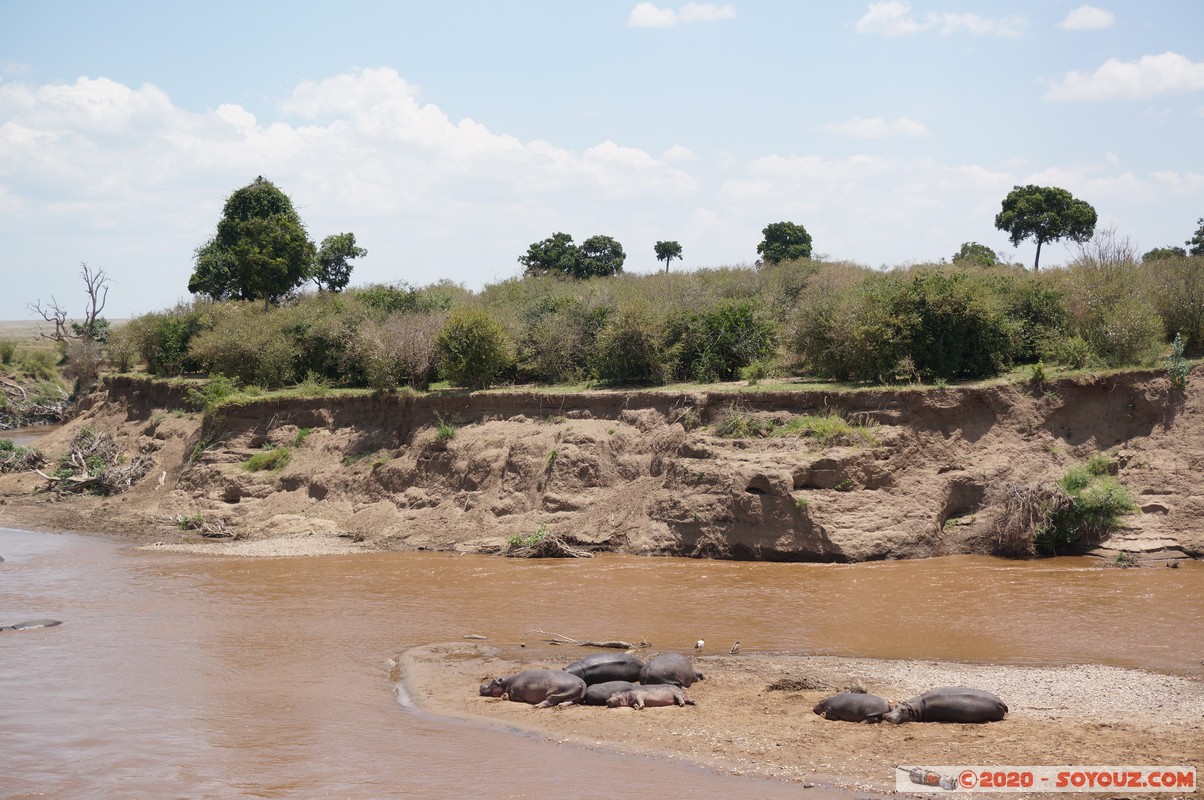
(179, 675)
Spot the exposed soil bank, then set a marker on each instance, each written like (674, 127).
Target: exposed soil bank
(753, 715)
(636, 472)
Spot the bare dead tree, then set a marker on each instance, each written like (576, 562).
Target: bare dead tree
(96, 284)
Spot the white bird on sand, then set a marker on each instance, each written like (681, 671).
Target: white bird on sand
(735, 648)
(698, 645)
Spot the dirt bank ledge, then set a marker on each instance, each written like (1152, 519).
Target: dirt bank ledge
(634, 472)
(1079, 715)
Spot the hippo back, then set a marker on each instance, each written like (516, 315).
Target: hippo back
(950, 704)
(671, 668)
(604, 667)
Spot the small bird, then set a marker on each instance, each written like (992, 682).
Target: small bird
(698, 645)
(735, 648)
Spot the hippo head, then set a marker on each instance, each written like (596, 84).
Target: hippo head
(619, 700)
(493, 688)
(900, 714)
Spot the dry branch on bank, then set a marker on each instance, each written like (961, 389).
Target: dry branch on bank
(1023, 510)
(614, 644)
(94, 463)
(549, 546)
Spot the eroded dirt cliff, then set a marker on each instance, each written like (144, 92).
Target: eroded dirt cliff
(642, 472)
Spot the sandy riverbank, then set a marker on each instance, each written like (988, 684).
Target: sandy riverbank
(753, 714)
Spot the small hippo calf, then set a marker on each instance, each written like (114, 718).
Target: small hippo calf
(543, 687)
(853, 707)
(672, 668)
(662, 694)
(599, 693)
(949, 704)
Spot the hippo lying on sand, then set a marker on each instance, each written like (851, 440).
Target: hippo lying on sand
(33, 623)
(597, 694)
(605, 667)
(672, 668)
(949, 704)
(543, 687)
(853, 707)
(662, 694)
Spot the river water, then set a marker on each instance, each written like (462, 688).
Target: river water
(177, 675)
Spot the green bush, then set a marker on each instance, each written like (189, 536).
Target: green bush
(162, 339)
(274, 460)
(246, 342)
(714, 344)
(1071, 351)
(1096, 502)
(8, 349)
(474, 349)
(628, 350)
(208, 395)
(121, 349)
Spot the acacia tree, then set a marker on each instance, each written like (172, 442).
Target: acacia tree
(331, 270)
(667, 251)
(260, 249)
(1195, 245)
(1045, 214)
(784, 241)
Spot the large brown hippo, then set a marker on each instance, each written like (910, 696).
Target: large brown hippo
(663, 694)
(603, 667)
(949, 704)
(597, 694)
(672, 668)
(33, 623)
(543, 687)
(853, 707)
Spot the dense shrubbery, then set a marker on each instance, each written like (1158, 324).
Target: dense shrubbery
(928, 322)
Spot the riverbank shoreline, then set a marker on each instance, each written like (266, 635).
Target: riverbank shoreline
(753, 714)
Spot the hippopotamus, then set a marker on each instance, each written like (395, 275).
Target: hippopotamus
(662, 694)
(673, 668)
(543, 687)
(604, 667)
(852, 707)
(33, 623)
(597, 694)
(949, 704)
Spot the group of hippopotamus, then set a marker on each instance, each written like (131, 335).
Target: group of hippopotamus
(947, 704)
(616, 680)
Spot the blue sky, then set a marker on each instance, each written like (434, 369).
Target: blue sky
(449, 136)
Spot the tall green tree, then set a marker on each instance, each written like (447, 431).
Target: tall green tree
(667, 251)
(1045, 214)
(260, 249)
(1195, 245)
(599, 256)
(975, 253)
(556, 254)
(784, 241)
(331, 270)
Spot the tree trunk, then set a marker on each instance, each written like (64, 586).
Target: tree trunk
(1037, 260)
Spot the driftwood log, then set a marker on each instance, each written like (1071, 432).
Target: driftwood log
(615, 644)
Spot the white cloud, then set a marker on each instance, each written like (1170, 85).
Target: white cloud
(877, 127)
(647, 15)
(893, 18)
(1088, 18)
(679, 152)
(122, 176)
(1168, 73)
